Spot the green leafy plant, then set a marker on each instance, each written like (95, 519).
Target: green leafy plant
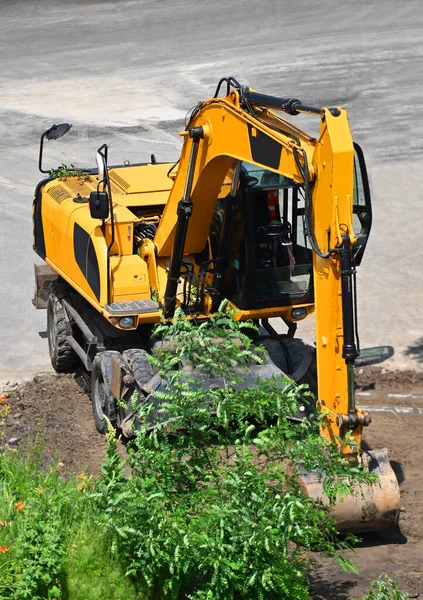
(64, 172)
(385, 588)
(210, 509)
(36, 509)
(50, 545)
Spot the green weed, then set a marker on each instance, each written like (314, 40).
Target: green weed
(64, 172)
(50, 546)
(37, 508)
(385, 588)
(93, 570)
(209, 511)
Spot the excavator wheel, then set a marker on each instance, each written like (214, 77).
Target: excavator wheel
(62, 356)
(142, 371)
(298, 361)
(104, 403)
(140, 367)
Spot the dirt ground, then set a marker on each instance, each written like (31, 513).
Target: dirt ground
(57, 408)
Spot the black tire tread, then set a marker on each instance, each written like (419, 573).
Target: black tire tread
(296, 350)
(103, 363)
(289, 357)
(136, 359)
(63, 357)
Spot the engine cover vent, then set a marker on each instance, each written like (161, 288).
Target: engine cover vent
(59, 193)
(118, 180)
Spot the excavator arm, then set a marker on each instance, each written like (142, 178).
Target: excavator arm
(223, 132)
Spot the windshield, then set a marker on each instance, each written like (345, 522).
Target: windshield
(267, 178)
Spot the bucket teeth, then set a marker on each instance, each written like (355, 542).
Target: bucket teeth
(372, 507)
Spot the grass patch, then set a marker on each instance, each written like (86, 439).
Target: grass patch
(50, 545)
(93, 571)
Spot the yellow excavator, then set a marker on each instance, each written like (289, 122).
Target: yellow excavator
(255, 211)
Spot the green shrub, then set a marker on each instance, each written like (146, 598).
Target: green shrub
(209, 511)
(50, 545)
(92, 571)
(385, 588)
(37, 507)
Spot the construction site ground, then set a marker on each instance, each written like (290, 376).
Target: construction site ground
(57, 409)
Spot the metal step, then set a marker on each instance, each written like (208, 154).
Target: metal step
(135, 307)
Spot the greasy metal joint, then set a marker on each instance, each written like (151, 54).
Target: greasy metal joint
(196, 133)
(351, 420)
(184, 208)
(128, 380)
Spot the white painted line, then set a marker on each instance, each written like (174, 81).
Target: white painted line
(414, 396)
(390, 395)
(398, 410)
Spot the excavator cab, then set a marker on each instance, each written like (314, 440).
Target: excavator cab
(270, 260)
(270, 263)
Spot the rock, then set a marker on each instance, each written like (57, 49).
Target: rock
(13, 441)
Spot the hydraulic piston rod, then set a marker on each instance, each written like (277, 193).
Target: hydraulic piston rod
(349, 348)
(184, 212)
(292, 106)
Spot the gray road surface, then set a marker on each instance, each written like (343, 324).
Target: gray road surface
(126, 72)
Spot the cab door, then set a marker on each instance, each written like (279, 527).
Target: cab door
(362, 207)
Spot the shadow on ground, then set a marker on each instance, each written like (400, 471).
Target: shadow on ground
(335, 590)
(374, 355)
(416, 350)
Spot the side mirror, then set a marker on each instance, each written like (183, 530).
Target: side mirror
(54, 133)
(99, 205)
(101, 164)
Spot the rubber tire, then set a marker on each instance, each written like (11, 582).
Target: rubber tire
(63, 357)
(289, 357)
(140, 367)
(103, 401)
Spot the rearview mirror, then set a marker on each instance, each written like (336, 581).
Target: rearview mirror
(99, 205)
(53, 133)
(101, 164)
(56, 131)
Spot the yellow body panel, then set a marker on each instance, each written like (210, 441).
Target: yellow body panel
(130, 278)
(69, 232)
(268, 313)
(154, 178)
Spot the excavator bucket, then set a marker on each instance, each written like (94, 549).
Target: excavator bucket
(44, 275)
(371, 508)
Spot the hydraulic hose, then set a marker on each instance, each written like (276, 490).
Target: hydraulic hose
(308, 204)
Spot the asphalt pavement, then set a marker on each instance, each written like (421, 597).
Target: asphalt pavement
(126, 72)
